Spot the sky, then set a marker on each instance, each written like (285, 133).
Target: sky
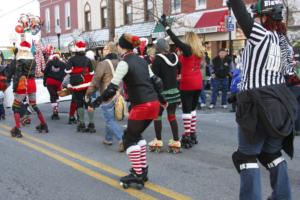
(10, 11)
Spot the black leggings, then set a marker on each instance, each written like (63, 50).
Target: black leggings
(189, 100)
(79, 98)
(53, 93)
(133, 133)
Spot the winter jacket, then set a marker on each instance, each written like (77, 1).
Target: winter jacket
(221, 67)
(166, 67)
(236, 79)
(54, 71)
(103, 75)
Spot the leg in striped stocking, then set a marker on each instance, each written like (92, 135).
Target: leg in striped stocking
(186, 140)
(193, 127)
(142, 144)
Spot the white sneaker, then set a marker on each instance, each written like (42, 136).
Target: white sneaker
(211, 106)
(224, 106)
(203, 105)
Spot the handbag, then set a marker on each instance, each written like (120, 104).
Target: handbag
(119, 101)
(77, 79)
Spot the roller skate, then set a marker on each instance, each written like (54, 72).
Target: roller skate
(55, 116)
(72, 120)
(91, 128)
(155, 145)
(15, 132)
(132, 179)
(81, 127)
(174, 146)
(186, 142)
(25, 120)
(144, 174)
(194, 138)
(42, 128)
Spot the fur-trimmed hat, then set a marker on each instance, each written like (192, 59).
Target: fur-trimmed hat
(25, 46)
(128, 41)
(80, 46)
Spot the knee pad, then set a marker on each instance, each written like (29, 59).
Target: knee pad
(242, 161)
(270, 160)
(171, 117)
(35, 108)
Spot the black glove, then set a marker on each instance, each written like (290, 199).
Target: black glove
(97, 102)
(158, 86)
(228, 3)
(110, 91)
(163, 20)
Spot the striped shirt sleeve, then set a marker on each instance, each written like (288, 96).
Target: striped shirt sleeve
(258, 33)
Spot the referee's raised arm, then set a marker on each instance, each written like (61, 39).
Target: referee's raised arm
(243, 17)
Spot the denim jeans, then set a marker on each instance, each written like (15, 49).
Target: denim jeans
(296, 92)
(202, 98)
(250, 187)
(2, 111)
(217, 85)
(112, 128)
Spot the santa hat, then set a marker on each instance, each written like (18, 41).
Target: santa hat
(56, 55)
(80, 46)
(25, 46)
(128, 41)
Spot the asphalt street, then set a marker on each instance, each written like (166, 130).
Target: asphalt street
(66, 165)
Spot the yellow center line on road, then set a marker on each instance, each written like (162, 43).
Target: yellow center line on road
(156, 188)
(109, 181)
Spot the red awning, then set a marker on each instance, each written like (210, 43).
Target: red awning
(213, 19)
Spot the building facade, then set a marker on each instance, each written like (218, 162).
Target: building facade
(60, 22)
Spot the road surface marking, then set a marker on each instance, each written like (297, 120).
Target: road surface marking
(156, 188)
(112, 182)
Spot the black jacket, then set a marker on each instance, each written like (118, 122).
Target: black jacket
(221, 67)
(55, 69)
(167, 73)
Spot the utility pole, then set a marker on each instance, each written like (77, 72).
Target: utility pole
(230, 28)
(111, 19)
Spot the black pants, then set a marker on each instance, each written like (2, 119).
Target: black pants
(53, 93)
(133, 133)
(79, 98)
(189, 100)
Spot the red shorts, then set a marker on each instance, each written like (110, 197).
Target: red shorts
(145, 111)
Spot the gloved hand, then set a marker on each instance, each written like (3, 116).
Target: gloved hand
(228, 3)
(163, 20)
(97, 102)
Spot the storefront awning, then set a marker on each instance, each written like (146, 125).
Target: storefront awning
(211, 22)
(7, 54)
(159, 30)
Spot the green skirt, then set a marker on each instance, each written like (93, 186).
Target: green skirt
(172, 95)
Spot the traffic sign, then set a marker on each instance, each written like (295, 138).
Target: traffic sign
(230, 27)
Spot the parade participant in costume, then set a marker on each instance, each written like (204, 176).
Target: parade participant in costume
(24, 86)
(142, 88)
(266, 109)
(165, 66)
(103, 75)
(191, 81)
(81, 73)
(54, 74)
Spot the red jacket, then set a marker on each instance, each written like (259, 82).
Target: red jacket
(191, 76)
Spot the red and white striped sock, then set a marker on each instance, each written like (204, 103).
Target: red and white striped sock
(194, 121)
(187, 118)
(134, 154)
(142, 144)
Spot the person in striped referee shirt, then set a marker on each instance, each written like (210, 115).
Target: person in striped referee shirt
(266, 109)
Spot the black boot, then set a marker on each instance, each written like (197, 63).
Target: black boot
(144, 174)
(55, 116)
(186, 142)
(72, 120)
(91, 128)
(132, 178)
(42, 128)
(194, 138)
(15, 132)
(81, 127)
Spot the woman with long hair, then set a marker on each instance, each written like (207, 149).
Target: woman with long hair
(266, 109)
(24, 86)
(143, 89)
(190, 84)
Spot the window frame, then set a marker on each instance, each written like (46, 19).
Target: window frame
(68, 15)
(57, 15)
(201, 6)
(103, 8)
(87, 17)
(127, 20)
(173, 9)
(48, 20)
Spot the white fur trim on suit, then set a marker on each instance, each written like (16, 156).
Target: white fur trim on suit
(92, 73)
(68, 71)
(24, 48)
(77, 49)
(168, 61)
(81, 85)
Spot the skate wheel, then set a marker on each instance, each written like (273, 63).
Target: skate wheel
(157, 150)
(139, 186)
(124, 185)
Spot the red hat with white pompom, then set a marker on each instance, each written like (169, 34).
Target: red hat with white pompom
(80, 46)
(25, 46)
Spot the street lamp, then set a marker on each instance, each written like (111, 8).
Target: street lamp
(58, 32)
